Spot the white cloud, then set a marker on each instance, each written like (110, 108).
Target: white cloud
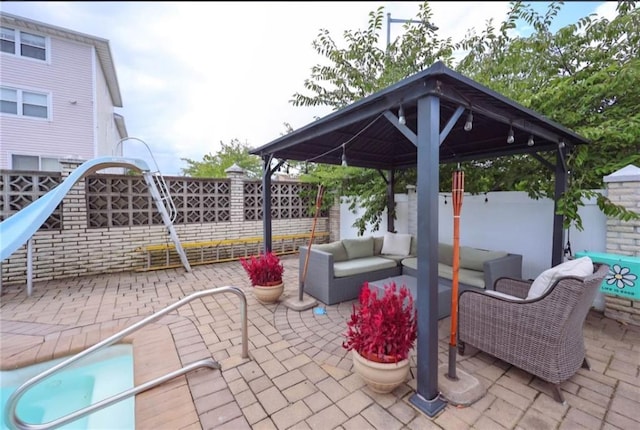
(193, 74)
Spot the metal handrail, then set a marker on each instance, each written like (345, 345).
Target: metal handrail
(13, 421)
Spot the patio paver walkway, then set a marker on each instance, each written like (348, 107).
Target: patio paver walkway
(298, 375)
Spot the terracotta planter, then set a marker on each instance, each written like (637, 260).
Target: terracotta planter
(268, 293)
(380, 377)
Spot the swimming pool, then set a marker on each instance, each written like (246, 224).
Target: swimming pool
(95, 378)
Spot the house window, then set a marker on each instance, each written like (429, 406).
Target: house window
(21, 43)
(24, 103)
(34, 162)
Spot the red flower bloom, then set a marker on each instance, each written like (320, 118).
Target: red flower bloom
(383, 328)
(265, 269)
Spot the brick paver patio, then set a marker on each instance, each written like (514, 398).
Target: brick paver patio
(298, 375)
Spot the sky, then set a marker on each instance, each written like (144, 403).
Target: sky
(194, 74)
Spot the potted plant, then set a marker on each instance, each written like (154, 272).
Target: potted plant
(265, 273)
(380, 334)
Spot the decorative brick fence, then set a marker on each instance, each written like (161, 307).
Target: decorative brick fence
(105, 220)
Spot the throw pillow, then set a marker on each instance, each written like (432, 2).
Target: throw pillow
(359, 248)
(580, 267)
(396, 244)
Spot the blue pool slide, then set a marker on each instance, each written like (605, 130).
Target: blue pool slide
(16, 230)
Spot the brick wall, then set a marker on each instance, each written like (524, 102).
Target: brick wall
(623, 237)
(78, 250)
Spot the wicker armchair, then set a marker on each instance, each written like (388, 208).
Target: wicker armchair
(542, 336)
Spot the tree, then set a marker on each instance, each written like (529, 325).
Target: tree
(585, 76)
(214, 166)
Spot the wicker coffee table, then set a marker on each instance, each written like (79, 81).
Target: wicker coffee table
(444, 291)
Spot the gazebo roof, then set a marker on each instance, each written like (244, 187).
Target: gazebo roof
(372, 137)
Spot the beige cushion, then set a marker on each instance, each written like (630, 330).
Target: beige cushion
(396, 244)
(358, 248)
(335, 248)
(445, 254)
(361, 265)
(474, 278)
(411, 262)
(580, 267)
(414, 246)
(378, 241)
(473, 258)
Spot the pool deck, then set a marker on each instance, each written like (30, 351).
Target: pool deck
(298, 375)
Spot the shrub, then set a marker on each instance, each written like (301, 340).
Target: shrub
(264, 269)
(384, 326)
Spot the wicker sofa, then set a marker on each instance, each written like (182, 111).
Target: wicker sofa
(479, 268)
(534, 325)
(337, 270)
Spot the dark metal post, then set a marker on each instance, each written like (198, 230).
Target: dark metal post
(427, 397)
(391, 201)
(266, 202)
(558, 220)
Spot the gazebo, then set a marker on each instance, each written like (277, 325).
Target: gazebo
(433, 117)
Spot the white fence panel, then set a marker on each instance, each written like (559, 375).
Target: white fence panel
(508, 221)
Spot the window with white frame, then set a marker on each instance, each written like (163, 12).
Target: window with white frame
(35, 162)
(24, 44)
(24, 103)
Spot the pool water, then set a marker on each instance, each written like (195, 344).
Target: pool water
(100, 375)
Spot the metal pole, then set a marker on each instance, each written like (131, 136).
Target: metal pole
(399, 20)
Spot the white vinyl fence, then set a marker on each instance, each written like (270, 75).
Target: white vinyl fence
(501, 221)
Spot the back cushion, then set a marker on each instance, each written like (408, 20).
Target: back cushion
(473, 258)
(335, 248)
(580, 267)
(378, 241)
(396, 244)
(358, 248)
(414, 246)
(445, 254)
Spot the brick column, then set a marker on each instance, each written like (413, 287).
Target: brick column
(236, 175)
(334, 220)
(623, 237)
(74, 206)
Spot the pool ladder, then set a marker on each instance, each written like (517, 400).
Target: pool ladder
(13, 421)
(161, 195)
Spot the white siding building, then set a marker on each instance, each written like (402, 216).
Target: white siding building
(59, 91)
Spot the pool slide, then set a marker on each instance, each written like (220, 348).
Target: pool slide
(16, 230)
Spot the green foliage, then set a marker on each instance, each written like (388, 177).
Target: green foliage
(214, 166)
(585, 76)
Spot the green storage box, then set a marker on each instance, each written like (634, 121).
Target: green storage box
(623, 279)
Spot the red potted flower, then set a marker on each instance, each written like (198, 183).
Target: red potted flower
(380, 334)
(265, 273)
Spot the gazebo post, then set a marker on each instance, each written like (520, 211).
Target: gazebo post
(427, 398)
(557, 249)
(391, 201)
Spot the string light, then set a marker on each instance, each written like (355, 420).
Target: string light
(401, 119)
(344, 156)
(510, 138)
(530, 142)
(345, 143)
(469, 124)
